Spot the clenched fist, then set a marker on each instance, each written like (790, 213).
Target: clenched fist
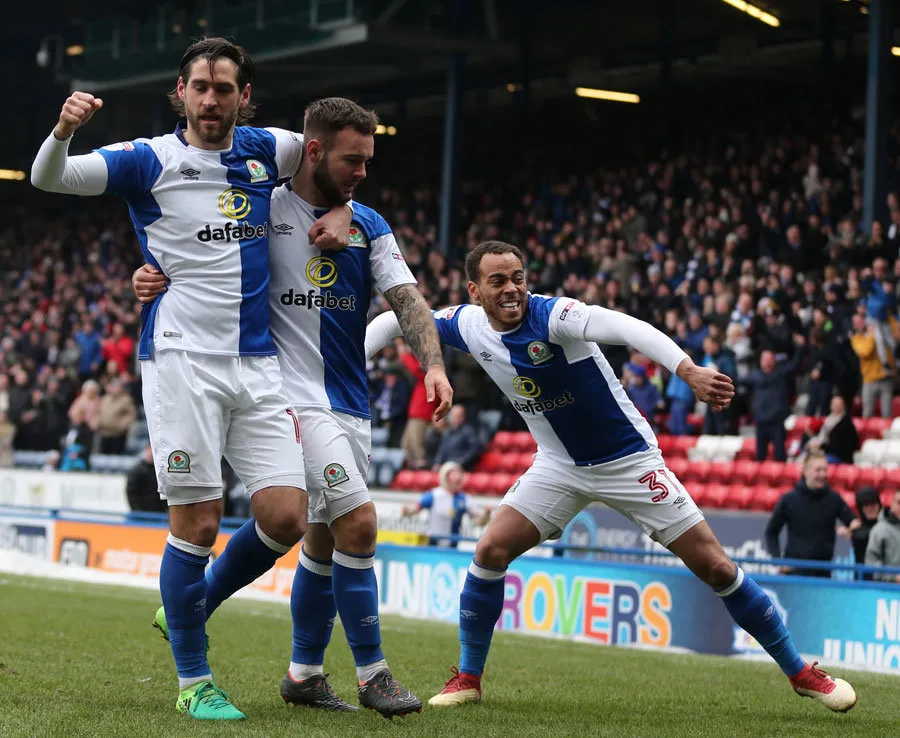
(77, 110)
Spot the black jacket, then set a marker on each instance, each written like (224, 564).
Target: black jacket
(843, 440)
(810, 516)
(142, 490)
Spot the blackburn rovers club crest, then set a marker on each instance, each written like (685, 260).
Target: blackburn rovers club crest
(539, 352)
(357, 238)
(335, 474)
(179, 463)
(257, 171)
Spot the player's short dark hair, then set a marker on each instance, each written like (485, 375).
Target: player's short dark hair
(473, 260)
(325, 118)
(212, 49)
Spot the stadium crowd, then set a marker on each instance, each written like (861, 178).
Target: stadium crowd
(750, 254)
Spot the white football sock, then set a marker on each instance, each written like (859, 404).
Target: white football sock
(299, 672)
(365, 673)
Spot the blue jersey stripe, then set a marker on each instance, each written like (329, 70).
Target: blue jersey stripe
(258, 145)
(575, 399)
(342, 332)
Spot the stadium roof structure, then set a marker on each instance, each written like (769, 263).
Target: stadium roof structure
(395, 54)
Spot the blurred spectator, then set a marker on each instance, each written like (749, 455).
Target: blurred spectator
(642, 392)
(37, 429)
(4, 393)
(810, 512)
(7, 436)
(117, 413)
(772, 388)
(681, 402)
(868, 503)
(884, 541)
(119, 348)
(837, 438)
(881, 310)
(419, 411)
(391, 405)
(141, 487)
(84, 413)
(51, 461)
(876, 381)
(75, 456)
(91, 351)
(460, 442)
(717, 357)
(447, 505)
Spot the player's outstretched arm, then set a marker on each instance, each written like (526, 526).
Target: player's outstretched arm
(381, 332)
(609, 326)
(53, 169)
(417, 323)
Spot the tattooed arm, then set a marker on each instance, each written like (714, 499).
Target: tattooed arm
(417, 323)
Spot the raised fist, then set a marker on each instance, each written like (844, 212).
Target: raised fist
(77, 110)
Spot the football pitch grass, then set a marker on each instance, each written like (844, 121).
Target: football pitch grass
(82, 660)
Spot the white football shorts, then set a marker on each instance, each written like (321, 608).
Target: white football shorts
(336, 447)
(202, 407)
(639, 486)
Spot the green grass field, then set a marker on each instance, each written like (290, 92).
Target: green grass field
(82, 660)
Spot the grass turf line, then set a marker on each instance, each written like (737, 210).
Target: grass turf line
(82, 660)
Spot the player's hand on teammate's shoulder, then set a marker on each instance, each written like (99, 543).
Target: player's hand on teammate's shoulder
(148, 283)
(77, 110)
(438, 386)
(709, 385)
(331, 232)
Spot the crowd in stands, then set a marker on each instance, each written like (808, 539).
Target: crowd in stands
(751, 254)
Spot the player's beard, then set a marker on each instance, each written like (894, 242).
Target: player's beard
(212, 134)
(326, 185)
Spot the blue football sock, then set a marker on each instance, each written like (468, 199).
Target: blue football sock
(755, 612)
(183, 589)
(356, 594)
(250, 553)
(313, 610)
(480, 606)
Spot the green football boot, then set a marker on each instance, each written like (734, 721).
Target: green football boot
(205, 701)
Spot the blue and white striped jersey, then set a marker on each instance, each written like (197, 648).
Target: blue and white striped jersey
(319, 302)
(561, 385)
(202, 218)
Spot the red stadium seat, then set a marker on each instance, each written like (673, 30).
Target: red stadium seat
(682, 444)
(748, 450)
(425, 479)
(478, 483)
(843, 475)
(739, 496)
(871, 476)
(887, 498)
(770, 472)
(763, 498)
(698, 493)
(790, 473)
(746, 471)
(695, 421)
(895, 406)
(524, 462)
(490, 461)
(697, 471)
(666, 442)
(875, 427)
(678, 466)
(717, 494)
(507, 463)
(721, 471)
(850, 499)
(404, 479)
(522, 442)
(892, 481)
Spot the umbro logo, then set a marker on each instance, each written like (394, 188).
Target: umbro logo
(282, 229)
(190, 174)
(485, 355)
(369, 620)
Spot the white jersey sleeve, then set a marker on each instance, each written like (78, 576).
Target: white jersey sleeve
(571, 320)
(55, 171)
(288, 151)
(389, 268)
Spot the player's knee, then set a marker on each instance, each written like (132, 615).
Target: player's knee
(356, 531)
(287, 527)
(202, 531)
(492, 554)
(719, 571)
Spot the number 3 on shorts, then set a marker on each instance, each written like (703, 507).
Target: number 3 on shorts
(652, 480)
